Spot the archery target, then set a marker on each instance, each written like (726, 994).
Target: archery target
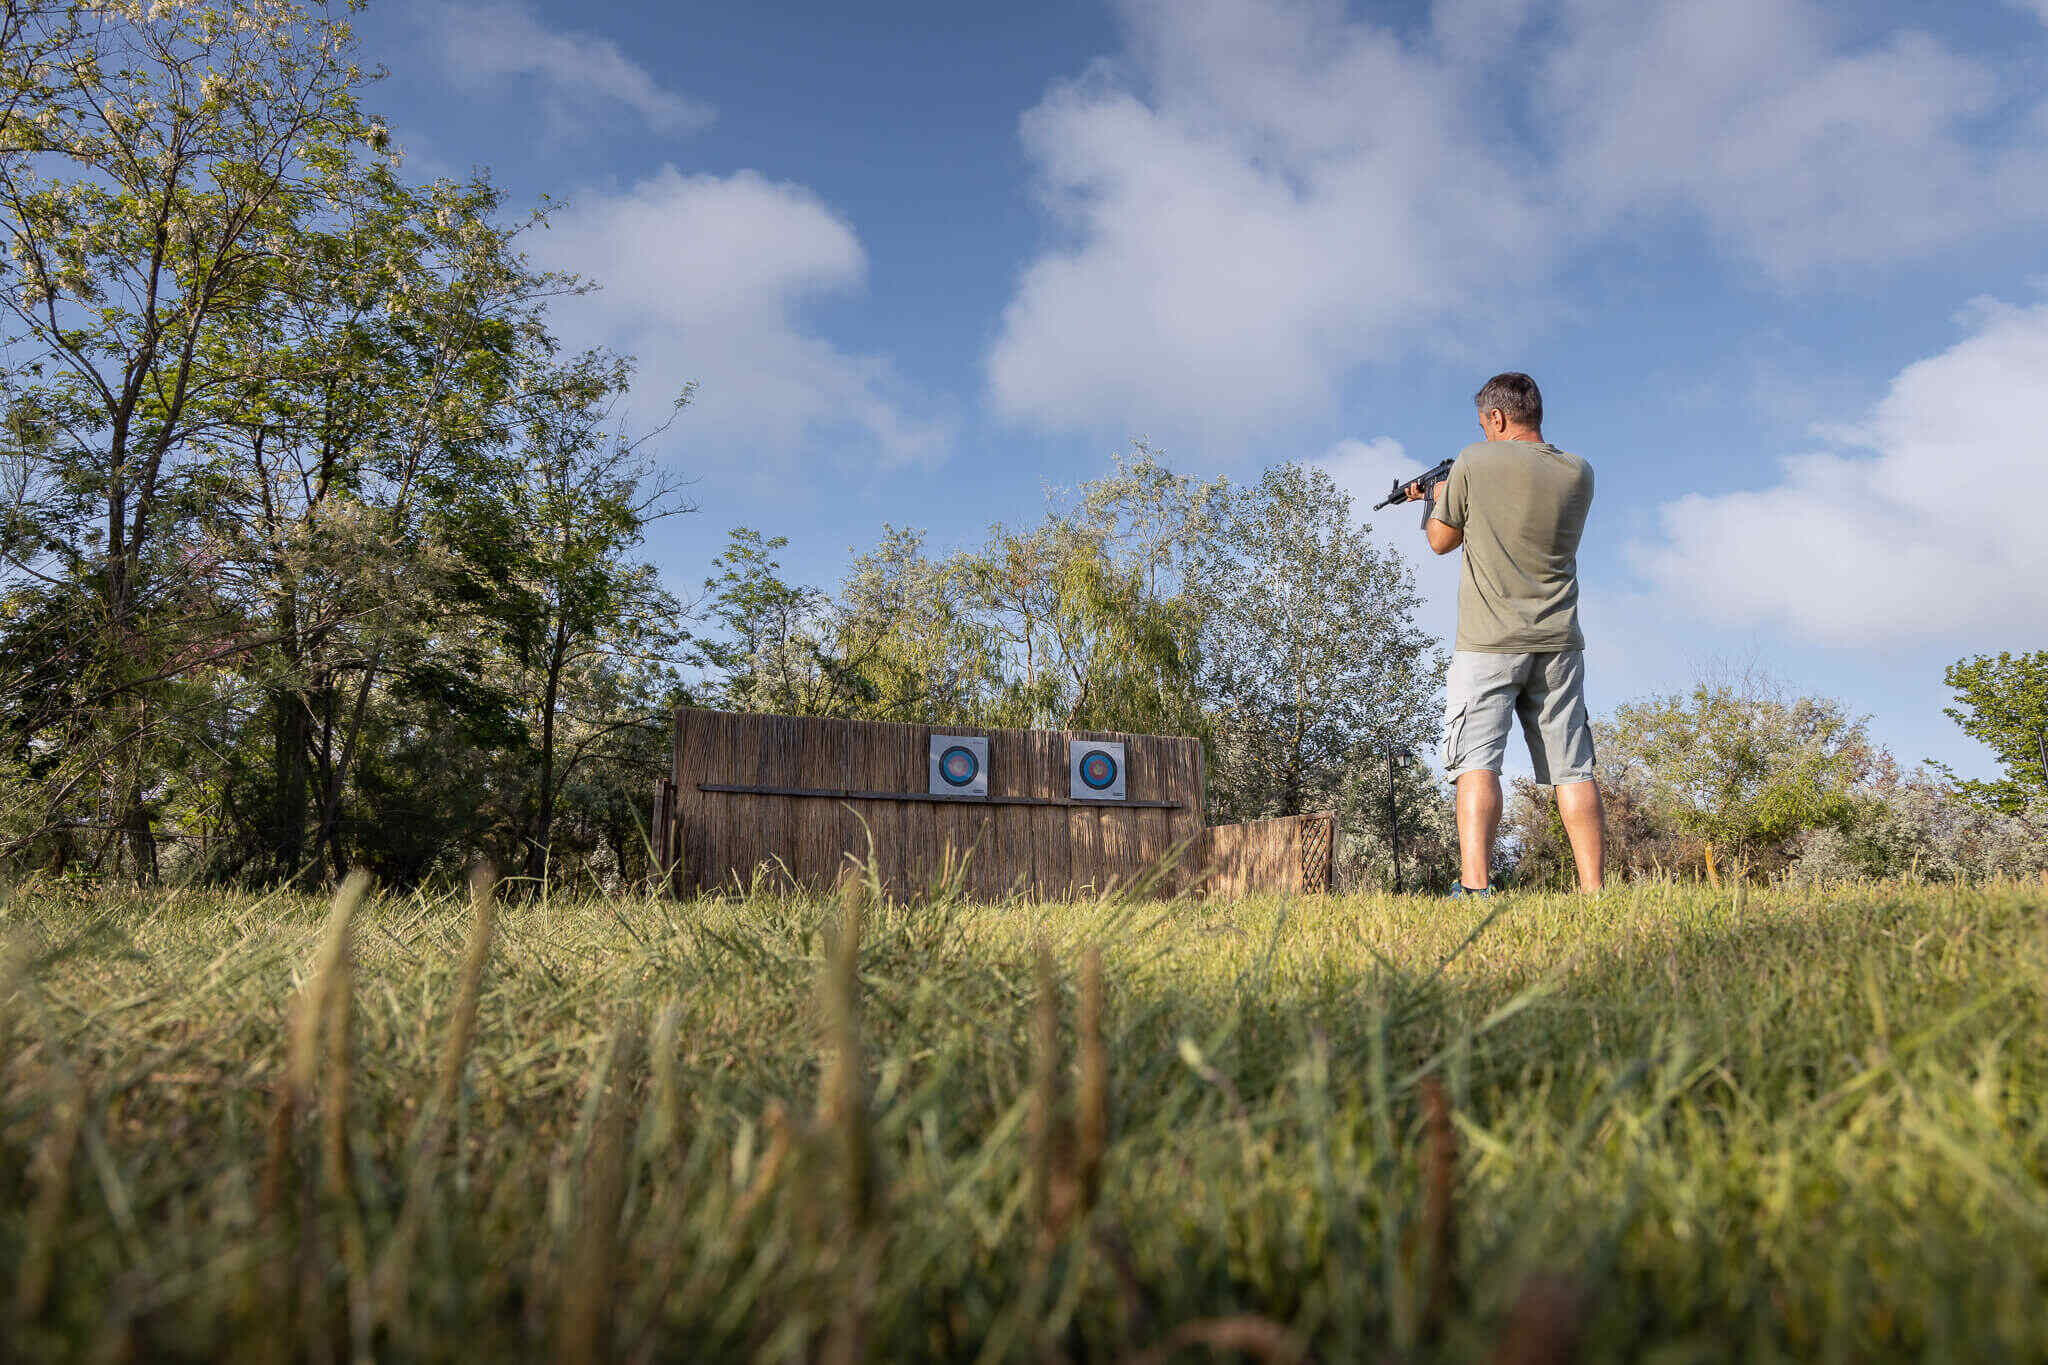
(1095, 770)
(959, 765)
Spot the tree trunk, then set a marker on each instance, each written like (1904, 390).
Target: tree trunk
(136, 825)
(330, 805)
(544, 814)
(290, 741)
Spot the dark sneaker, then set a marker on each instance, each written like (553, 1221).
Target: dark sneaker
(1460, 889)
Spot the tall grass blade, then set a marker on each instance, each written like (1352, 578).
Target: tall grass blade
(394, 1266)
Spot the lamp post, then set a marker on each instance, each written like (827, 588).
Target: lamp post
(1394, 755)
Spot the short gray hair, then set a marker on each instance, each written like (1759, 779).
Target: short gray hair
(1517, 397)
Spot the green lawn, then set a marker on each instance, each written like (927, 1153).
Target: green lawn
(1668, 1124)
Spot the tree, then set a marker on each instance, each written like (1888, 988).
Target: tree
(2002, 702)
(1427, 825)
(776, 652)
(1087, 647)
(1740, 763)
(150, 165)
(1916, 825)
(1311, 656)
(912, 647)
(390, 343)
(575, 611)
(312, 550)
(1152, 519)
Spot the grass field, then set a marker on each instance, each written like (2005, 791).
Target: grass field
(1668, 1125)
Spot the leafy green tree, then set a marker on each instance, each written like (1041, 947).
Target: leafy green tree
(1426, 834)
(1312, 659)
(1152, 519)
(912, 646)
(151, 161)
(1741, 764)
(1086, 646)
(392, 347)
(2002, 703)
(1918, 826)
(775, 652)
(312, 551)
(580, 618)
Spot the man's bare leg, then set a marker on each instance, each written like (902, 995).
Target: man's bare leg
(1478, 820)
(1585, 824)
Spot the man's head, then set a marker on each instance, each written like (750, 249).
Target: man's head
(1511, 408)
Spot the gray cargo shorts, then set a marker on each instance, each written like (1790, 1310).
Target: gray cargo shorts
(1548, 691)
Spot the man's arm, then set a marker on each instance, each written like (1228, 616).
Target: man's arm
(1443, 537)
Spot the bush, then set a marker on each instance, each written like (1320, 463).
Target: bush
(1922, 827)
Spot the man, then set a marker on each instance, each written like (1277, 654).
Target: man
(1518, 505)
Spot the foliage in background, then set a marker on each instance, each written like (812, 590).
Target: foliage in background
(1739, 773)
(1740, 764)
(1079, 622)
(1919, 826)
(315, 552)
(1311, 652)
(2002, 702)
(1423, 816)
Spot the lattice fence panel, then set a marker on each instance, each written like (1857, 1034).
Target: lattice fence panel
(1317, 837)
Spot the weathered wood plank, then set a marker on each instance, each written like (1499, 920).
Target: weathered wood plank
(1052, 867)
(980, 829)
(703, 852)
(874, 833)
(818, 759)
(1010, 760)
(1258, 857)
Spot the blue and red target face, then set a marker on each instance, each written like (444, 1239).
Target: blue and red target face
(1095, 770)
(958, 767)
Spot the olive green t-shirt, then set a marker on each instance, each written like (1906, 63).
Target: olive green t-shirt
(1522, 506)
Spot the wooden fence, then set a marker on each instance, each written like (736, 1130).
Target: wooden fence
(795, 799)
(1293, 853)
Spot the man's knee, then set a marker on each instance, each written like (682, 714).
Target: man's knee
(1579, 798)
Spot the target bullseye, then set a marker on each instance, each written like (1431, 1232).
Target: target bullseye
(1096, 770)
(958, 766)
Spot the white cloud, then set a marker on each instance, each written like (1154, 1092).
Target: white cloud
(1297, 192)
(705, 278)
(484, 43)
(1367, 470)
(1794, 151)
(1263, 195)
(1934, 535)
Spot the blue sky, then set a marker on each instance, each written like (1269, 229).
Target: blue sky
(1778, 267)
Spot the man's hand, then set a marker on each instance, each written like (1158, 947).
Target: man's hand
(1415, 494)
